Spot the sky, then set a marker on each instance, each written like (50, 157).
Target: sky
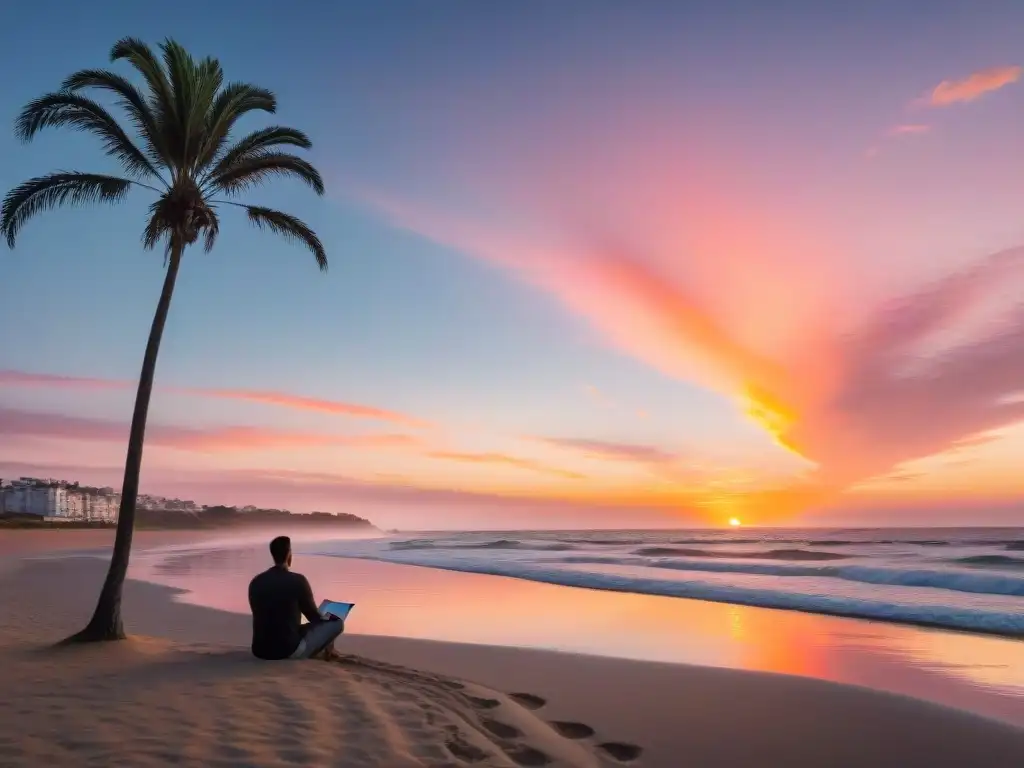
(592, 264)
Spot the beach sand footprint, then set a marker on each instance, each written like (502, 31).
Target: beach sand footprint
(617, 750)
(624, 753)
(518, 741)
(527, 756)
(500, 729)
(462, 749)
(572, 730)
(482, 703)
(528, 700)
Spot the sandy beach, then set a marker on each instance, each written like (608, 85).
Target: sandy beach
(185, 691)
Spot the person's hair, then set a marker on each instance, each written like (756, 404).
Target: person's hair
(279, 549)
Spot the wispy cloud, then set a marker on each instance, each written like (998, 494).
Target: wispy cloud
(603, 449)
(13, 378)
(20, 423)
(973, 86)
(909, 129)
(902, 130)
(284, 400)
(505, 460)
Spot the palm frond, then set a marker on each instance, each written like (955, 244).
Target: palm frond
(130, 99)
(211, 232)
(62, 188)
(207, 79)
(158, 226)
(68, 108)
(141, 56)
(258, 142)
(234, 101)
(290, 227)
(253, 169)
(178, 67)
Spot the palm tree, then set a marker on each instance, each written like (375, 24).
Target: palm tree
(184, 152)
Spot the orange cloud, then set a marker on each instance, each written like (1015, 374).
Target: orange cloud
(280, 399)
(848, 400)
(973, 86)
(505, 459)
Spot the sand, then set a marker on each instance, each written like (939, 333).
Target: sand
(185, 691)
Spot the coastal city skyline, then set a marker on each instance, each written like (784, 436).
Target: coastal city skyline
(54, 499)
(706, 273)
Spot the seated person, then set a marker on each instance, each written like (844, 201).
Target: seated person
(278, 599)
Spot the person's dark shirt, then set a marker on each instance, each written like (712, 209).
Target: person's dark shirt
(278, 598)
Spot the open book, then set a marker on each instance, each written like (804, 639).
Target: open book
(333, 608)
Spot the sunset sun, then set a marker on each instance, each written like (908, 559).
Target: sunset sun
(735, 522)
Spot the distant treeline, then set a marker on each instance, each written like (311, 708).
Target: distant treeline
(209, 517)
(229, 517)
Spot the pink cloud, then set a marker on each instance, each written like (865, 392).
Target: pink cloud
(279, 399)
(506, 460)
(854, 401)
(25, 379)
(19, 423)
(299, 402)
(909, 129)
(973, 86)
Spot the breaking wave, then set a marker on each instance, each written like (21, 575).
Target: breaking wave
(956, 582)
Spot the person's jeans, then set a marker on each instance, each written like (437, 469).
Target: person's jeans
(317, 637)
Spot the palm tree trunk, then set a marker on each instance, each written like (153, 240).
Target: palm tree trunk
(106, 619)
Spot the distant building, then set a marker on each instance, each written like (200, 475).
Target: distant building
(95, 505)
(30, 496)
(58, 500)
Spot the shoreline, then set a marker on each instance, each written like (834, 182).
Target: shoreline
(711, 716)
(204, 537)
(922, 624)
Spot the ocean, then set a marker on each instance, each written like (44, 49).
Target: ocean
(957, 578)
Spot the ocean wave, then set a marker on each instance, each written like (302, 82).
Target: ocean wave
(494, 544)
(771, 554)
(825, 542)
(601, 542)
(711, 539)
(954, 617)
(997, 561)
(955, 581)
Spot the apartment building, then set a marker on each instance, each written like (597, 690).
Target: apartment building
(58, 500)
